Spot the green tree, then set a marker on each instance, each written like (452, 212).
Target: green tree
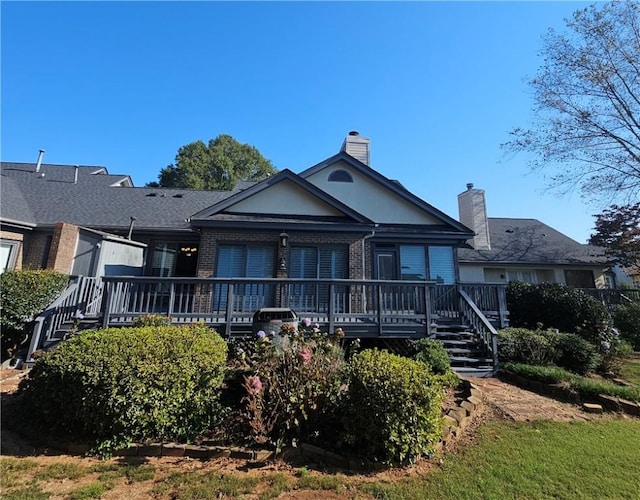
(586, 116)
(218, 165)
(617, 229)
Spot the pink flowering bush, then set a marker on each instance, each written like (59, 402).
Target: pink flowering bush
(294, 388)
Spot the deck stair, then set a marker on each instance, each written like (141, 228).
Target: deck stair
(467, 352)
(67, 329)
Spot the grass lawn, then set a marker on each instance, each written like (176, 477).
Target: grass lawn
(631, 371)
(537, 460)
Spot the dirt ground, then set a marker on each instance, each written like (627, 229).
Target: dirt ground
(502, 401)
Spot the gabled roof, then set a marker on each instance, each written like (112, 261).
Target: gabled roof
(392, 186)
(227, 210)
(98, 200)
(531, 242)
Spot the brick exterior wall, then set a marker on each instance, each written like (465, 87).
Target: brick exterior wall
(63, 247)
(9, 235)
(211, 238)
(37, 250)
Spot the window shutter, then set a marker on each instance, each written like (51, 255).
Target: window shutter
(333, 262)
(231, 261)
(304, 262)
(260, 262)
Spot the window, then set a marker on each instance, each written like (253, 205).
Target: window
(579, 278)
(441, 265)
(524, 275)
(340, 176)
(8, 254)
(174, 259)
(324, 262)
(246, 261)
(411, 260)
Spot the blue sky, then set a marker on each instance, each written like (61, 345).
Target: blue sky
(436, 86)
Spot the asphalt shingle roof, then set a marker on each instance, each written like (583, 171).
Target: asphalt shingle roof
(95, 200)
(529, 241)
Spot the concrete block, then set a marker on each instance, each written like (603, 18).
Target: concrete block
(629, 407)
(129, 451)
(262, 455)
(469, 406)
(172, 450)
(459, 414)
(609, 402)
(592, 408)
(450, 422)
(241, 453)
(150, 450)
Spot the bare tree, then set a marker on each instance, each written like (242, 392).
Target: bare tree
(586, 121)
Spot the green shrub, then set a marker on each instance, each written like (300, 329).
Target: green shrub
(433, 353)
(547, 347)
(553, 305)
(521, 345)
(23, 294)
(627, 319)
(574, 353)
(392, 410)
(152, 320)
(292, 387)
(119, 385)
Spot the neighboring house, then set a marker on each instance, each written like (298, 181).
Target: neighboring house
(510, 249)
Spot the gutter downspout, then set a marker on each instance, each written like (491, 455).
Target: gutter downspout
(366, 237)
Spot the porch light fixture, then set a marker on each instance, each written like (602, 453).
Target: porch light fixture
(284, 239)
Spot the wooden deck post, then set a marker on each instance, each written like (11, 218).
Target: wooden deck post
(229, 311)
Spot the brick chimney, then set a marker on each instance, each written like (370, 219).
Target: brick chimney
(357, 146)
(473, 214)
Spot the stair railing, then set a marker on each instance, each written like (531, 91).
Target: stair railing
(82, 295)
(480, 324)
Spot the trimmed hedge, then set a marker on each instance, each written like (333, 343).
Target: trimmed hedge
(552, 305)
(392, 412)
(24, 294)
(120, 385)
(433, 353)
(547, 347)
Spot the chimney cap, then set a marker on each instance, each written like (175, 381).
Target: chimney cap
(354, 132)
(470, 185)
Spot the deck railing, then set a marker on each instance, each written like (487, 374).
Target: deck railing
(471, 313)
(612, 298)
(367, 307)
(82, 295)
